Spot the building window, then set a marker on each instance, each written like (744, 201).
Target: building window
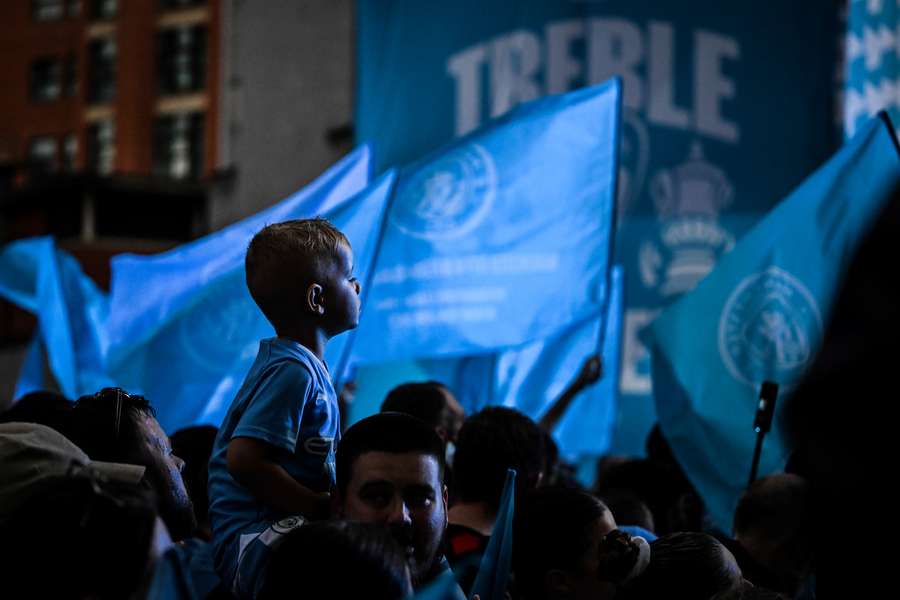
(70, 152)
(104, 9)
(181, 60)
(176, 4)
(178, 146)
(47, 10)
(102, 84)
(46, 79)
(43, 154)
(70, 76)
(101, 148)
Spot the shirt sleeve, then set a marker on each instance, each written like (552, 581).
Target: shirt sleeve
(273, 414)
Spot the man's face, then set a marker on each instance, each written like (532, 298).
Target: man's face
(405, 493)
(164, 474)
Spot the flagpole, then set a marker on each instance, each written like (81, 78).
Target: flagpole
(763, 422)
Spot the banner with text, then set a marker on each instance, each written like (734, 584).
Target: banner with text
(724, 112)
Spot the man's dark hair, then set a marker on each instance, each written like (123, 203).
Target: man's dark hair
(773, 506)
(551, 531)
(42, 407)
(319, 556)
(284, 258)
(81, 538)
(489, 443)
(394, 433)
(426, 401)
(104, 424)
(686, 565)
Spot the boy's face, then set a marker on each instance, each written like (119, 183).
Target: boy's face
(341, 294)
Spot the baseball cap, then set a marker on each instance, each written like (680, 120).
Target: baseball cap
(32, 456)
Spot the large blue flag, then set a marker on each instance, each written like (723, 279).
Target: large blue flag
(530, 378)
(759, 316)
(501, 238)
(48, 282)
(183, 328)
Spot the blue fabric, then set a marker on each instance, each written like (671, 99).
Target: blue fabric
(760, 316)
(636, 531)
(496, 564)
(872, 67)
(481, 231)
(31, 375)
(184, 572)
(529, 378)
(287, 401)
(71, 310)
(704, 93)
(187, 312)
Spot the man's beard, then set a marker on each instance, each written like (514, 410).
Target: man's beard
(421, 568)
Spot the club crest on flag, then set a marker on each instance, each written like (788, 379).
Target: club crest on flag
(769, 328)
(688, 201)
(449, 198)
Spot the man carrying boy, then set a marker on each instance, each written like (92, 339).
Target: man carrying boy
(272, 466)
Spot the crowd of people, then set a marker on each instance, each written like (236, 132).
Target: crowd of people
(281, 501)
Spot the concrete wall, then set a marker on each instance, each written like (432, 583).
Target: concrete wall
(287, 80)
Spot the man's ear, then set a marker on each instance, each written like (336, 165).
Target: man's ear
(315, 299)
(445, 498)
(556, 584)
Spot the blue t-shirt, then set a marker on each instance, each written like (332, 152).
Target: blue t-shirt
(287, 401)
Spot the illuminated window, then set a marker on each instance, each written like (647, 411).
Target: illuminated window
(101, 147)
(178, 146)
(43, 154)
(181, 59)
(46, 79)
(70, 152)
(104, 9)
(47, 10)
(102, 82)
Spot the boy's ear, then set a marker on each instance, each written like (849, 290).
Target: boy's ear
(315, 299)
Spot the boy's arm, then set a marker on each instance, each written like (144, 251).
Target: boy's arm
(251, 462)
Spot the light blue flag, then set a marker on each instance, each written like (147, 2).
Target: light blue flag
(760, 316)
(502, 237)
(531, 377)
(48, 282)
(31, 375)
(183, 328)
(496, 564)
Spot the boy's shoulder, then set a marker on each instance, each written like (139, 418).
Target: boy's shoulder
(289, 357)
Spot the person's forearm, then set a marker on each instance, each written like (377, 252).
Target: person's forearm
(274, 487)
(558, 408)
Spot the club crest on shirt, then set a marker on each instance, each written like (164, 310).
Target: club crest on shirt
(449, 197)
(769, 329)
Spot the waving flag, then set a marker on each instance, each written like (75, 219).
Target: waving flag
(183, 328)
(501, 238)
(48, 282)
(759, 316)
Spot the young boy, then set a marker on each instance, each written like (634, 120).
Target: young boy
(272, 465)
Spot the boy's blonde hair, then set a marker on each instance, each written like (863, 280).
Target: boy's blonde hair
(283, 259)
